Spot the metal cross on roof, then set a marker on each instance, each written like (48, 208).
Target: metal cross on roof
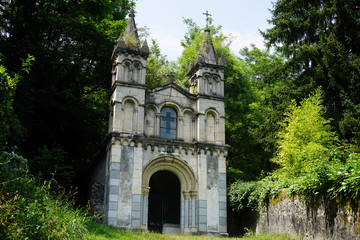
(207, 17)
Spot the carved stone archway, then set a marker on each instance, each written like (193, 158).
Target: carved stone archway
(187, 180)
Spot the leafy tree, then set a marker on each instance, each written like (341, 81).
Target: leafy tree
(306, 136)
(63, 102)
(321, 40)
(252, 130)
(157, 67)
(8, 83)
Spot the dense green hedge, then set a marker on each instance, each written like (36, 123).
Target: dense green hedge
(335, 175)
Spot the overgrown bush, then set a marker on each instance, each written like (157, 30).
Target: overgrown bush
(312, 161)
(29, 210)
(337, 174)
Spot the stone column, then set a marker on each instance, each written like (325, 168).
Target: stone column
(145, 208)
(135, 121)
(180, 128)
(217, 130)
(157, 125)
(186, 212)
(118, 113)
(193, 195)
(193, 128)
(119, 71)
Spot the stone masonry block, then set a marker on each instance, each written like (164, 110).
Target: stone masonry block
(112, 214)
(202, 219)
(202, 211)
(114, 182)
(135, 223)
(202, 203)
(113, 190)
(222, 177)
(115, 174)
(113, 206)
(135, 214)
(136, 198)
(111, 221)
(222, 213)
(222, 184)
(223, 228)
(223, 221)
(202, 228)
(113, 197)
(136, 206)
(222, 206)
(222, 192)
(115, 166)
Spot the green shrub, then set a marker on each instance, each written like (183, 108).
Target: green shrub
(29, 210)
(337, 174)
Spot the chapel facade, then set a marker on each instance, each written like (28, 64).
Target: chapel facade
(165, 167)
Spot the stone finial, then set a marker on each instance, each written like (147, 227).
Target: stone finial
(130, 35)
(191, 65)
(222, 61)
(129, 40)
(145, 48)
(207, 52)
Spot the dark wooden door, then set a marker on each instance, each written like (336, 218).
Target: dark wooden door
(164, 200)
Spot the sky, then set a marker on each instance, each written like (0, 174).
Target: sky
(241, 18)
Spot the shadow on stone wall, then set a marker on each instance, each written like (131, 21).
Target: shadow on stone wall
(239, 221)
(320, 219)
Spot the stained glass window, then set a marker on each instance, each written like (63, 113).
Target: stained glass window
(168, 123)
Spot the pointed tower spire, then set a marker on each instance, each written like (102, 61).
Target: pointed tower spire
(222, 61)
(129, 41)
(207, 73)
(207, 52)
(130, 35)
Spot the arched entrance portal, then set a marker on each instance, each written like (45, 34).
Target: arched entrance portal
(186, 182)
(164, 202)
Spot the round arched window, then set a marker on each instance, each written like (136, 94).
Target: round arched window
(168, 123)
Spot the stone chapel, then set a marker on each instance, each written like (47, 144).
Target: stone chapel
(164, 168)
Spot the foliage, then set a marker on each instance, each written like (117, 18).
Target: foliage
(63, 102)
(103, 232)
(29, 210)
(157, 67)
(256, 100)
(321, 40)
(51, 163)
(334, 176)
(8, 83)
(312, 161)
(305, 137)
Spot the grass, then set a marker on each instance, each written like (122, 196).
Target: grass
(104, 232)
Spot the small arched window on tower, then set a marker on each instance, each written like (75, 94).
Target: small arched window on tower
(168, 123)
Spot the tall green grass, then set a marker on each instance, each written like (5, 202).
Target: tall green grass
(33, 210)
(102, 232)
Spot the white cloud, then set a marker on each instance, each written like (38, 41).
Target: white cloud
(169, 44)
(245, 40)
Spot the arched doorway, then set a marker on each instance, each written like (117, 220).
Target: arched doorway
(164, 201)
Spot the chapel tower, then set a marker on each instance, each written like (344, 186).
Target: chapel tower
(164, 168)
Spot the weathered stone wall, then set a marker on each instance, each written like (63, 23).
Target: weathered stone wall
(323, 219)
(97, 200)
